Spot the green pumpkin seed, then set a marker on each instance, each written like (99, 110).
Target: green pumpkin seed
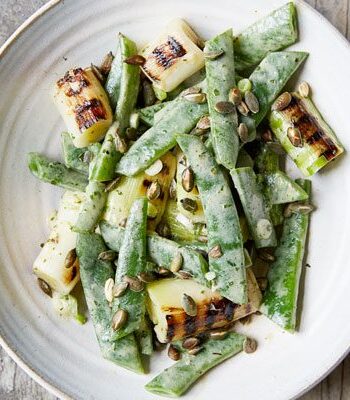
(304, 89)
(119, 319)
(163, 272)
(70, 258)
(163, 230)
(120, 289)
(235, 96)
(45, 287)
(189, 305)
(218, 335)
(123, 222)
(183, 275)
(146, 277)
(109, 289)
(172, 190)
(98, 73)
(174, 353)
(243, 132)
(282, 102)
(136, 59)
(250, 345)
(176, 263)
(120, 143)
(244, 85)
(297, 207)
(252, 102)
(295, 137)
(191, 90)
(187, 179)
(195, 350)
(155, 168)
(135, 284)
(106, 64)
(154, 190)
(224, 107)
(108, 255)
(197, 98)
(190, 343)
(111, 185)
(215, 252)
(189, 204)
(204, 123)
(242, 108)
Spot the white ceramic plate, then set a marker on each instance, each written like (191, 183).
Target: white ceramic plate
(63, 356)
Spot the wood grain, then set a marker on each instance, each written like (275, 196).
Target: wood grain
(16, 384)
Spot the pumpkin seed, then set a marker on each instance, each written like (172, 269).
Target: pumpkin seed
(189, 204)
(136, 59)
(244, 85)
(218, 335)
(109, 289)
(297, 207)
(294, 137)
(262, 283)
(187, 179)
(195, 350)
(267, 136)
(174, 353)
(149, 97)
(282, 102)
(96, 71)
(189, 305)
(197, 98)
(87, 156)
(266, 255)
(215, 252)
(119, 319)
(304, 89)
(172, 190)
(264, 228)
(45, 287)
(190, 343)
(154, 190)
(120, 289)
(203, 239)
(191, 90)
(120, 143)
(176, 263)
(183, 275)
(163, 271)
(204, 123)
(235, 96)
(250, 345)
(123, 222)
(163, 230)
(111, 185)
(108, 255)
(134, 283)
(146, 277)
(243, 108)
(224, 107)
(107, 63)
(155, 168)
(243, 132)
(252, 102)
(210, 276)
(152, 210)
(213, 55)
(131, 133)
(70, 258)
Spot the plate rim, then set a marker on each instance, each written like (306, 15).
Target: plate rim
(53, 389)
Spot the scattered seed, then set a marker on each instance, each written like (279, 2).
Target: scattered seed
(187, 179)
(282, 102)
(120, 289)
(149, 97)
(120, 143)
(111, 185)
(262, 283)
(210, 276)
(174, 353)
(189, 305)
(204, 123)
(146, 277)
(123, 222)
(134, 283)
(163, 230)
(109, 289)
(203, 239)
(119, 319)
(304, 89)
(294, 137)
(218, 335)
(250, 345)
(197, 98)
(224, 107)
(136, 59)
(243, 132)
(70, 258)
(45, 287)
(183, 275)
(176, 263)
(235, 96)
(172, 190)
(87, 157)
(98, 73)
(215, 252)
(252, 102)
(155, 168)
(163, 271)
(297, 207)
(189, 204)
(264, 228)
(108, 255)
(266, 255)
(243, 108)
(190, 343)
(213, 55)
(195, 350)
(131, 133)
(152, 210)
(154, 190)
(244, 85)
(106, 63)
(191, 90)
(267, 136)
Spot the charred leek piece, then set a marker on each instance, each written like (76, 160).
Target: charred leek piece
(56, 173)
(161, 251)
(176, 380)
(131, 262)
(147, 113)
(272, 74)
(51, 265)
(213, 311)
(94, 274)
(173, 57)
(180, 117)
(73, 156)
(255, 209)
(280, 298)
(220, 79)
(92, 208)
(274, 32)
(84, 106)
(103, 168)
(318, 143)
(130, 188)
(226, 257)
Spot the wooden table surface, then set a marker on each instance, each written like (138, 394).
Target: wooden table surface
(16, 384)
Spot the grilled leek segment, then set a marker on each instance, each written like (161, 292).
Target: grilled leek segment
(130, 188)
(174, 56)
(51, 264)
(84, 106)
(213, 311)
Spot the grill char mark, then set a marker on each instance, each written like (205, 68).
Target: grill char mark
(90, 112)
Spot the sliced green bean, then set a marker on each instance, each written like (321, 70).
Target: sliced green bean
(113, 81)
(147, 113)
(254, 206)
(274, 32)
(161, 251)
(176, 380)
(244, 159)
(94, 273)
(56, 173)
(220, 80)
(131, 262)
(280, 299)
(74, 156)
(92, 208)
(226, 256)
(145, 338)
